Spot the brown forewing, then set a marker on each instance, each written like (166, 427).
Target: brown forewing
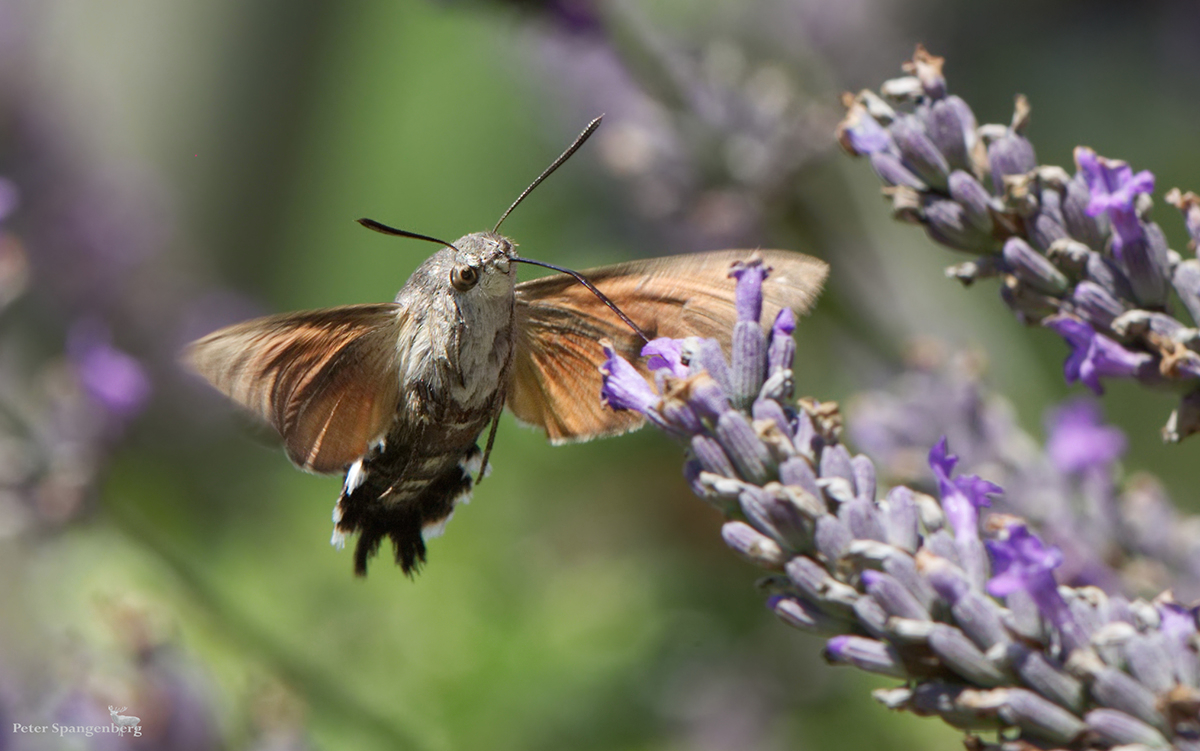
(556, 378)
(327, 380)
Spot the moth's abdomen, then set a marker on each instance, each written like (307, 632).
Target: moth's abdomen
(407, 494)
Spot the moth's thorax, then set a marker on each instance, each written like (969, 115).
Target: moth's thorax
(456, 344)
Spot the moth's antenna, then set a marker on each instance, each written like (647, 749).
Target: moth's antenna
(585, 135)
(386, 230)
(580, 278)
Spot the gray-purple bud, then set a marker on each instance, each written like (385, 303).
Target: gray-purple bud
(1091, 230)
(1096, 304)
(742, 445)
(1186, 281)
(1104, 272)
(963, 657)
(1046, 226)
(918, 152)
(1011, 154)
(753, 545)
(892, 172)
(951, 127)
(974, 198)
(947, 223)
(748, 363)
(1033, 268)
(1146, 264)
(865, 654)
(1120, 729)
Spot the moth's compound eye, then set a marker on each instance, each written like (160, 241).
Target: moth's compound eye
(464, 277)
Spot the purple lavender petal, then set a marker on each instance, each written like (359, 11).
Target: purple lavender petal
(1023, 563)
(1114, 190)
(113, 379)
(666, 354)
(623, 386)
(1079, 440)
(1094, 356)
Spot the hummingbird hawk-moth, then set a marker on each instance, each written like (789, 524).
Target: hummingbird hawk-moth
(396, 395)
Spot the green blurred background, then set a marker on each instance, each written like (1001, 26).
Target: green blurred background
(584, 599)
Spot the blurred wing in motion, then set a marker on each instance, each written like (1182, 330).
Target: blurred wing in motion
(556, 368)
(327, 380)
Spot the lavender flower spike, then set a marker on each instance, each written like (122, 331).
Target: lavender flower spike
(901, 584)
(1077, 253)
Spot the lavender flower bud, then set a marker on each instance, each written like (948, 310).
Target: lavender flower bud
(941, 544)
(947, 223)
(1033, 268)
(835, 462)
(711, 456)
(705, 396)
(892, 596)
(1092, 230)
(709, 357)
(902, 567)
(1044, 677)
(860, 133)
(797, 472)
(1146, 265)
(892, 172)
(774, 514)
(1186, 281)
(831, 595)
(900, 519)
(743, 447)
(1120, 729)
(800, 614)
(753, 545)
(865, 654)
(1118, 690)
(862, 518)
(864, 478)
(748, 362)
(1046, 226)
(1028, 711)
(1011, 154)
(1096, 304)
(1179, 630)
(1104, 272)
(1149, 661)
(832, 537)
(974, 199)
(872, 617)
(918, 152)
(769, 409)
(951, 127)
(958, 653)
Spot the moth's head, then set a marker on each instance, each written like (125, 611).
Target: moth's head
(478, 266)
